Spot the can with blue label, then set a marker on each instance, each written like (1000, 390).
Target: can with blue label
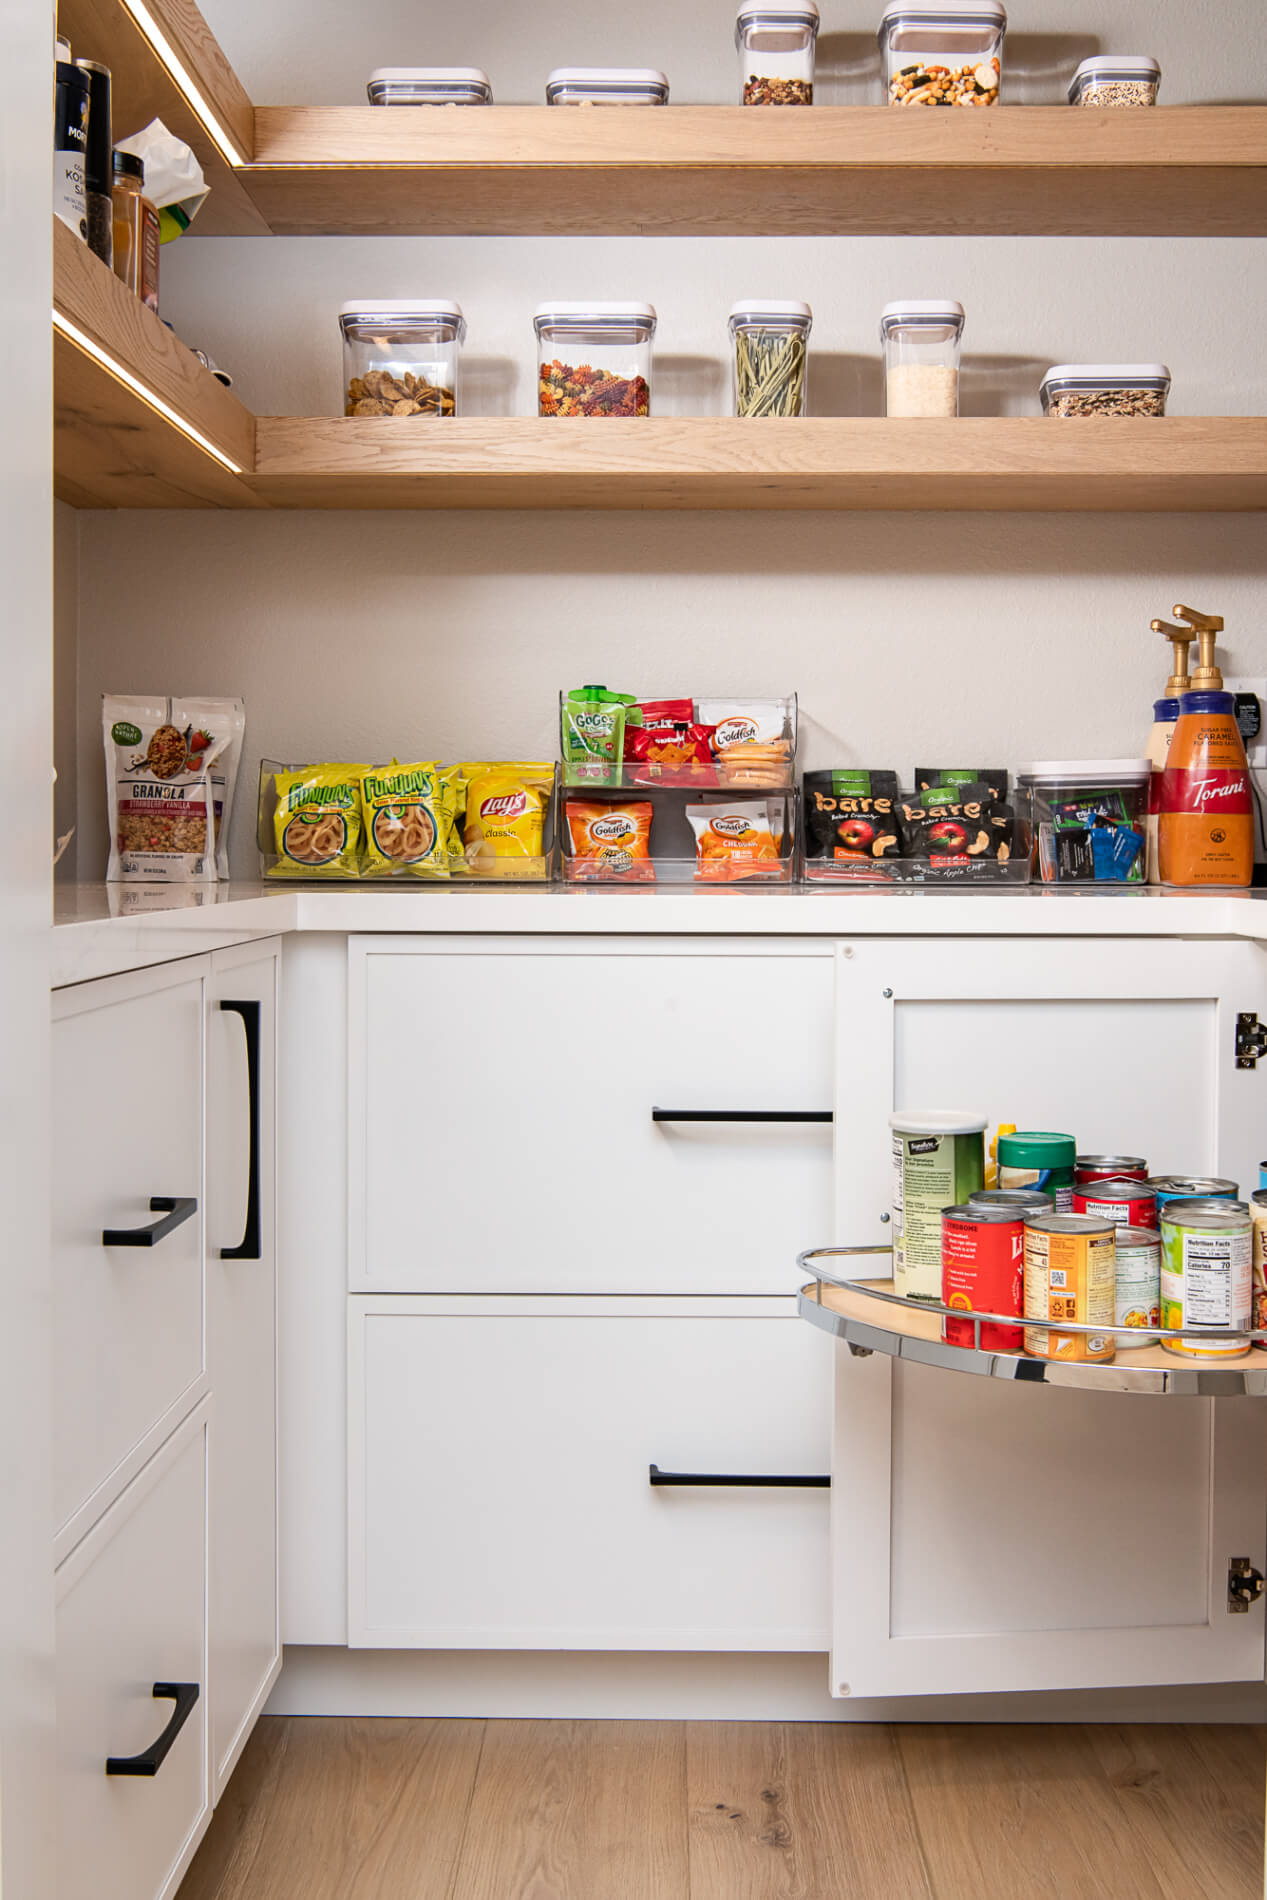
(1191, 1187)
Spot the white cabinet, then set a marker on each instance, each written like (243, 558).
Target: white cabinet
(501, 1097)
(500, 1455)
(996, 1536)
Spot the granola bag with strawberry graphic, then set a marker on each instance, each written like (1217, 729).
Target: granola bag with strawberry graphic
(171, 769)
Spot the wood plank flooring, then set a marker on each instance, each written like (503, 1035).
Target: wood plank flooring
(360, 1809)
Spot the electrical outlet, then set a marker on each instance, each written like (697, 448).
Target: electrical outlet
(1256, 750)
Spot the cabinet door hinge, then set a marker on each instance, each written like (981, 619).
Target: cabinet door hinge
(1244, 1585)
(1251, 1039)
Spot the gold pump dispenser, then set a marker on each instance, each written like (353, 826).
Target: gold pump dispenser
(1180, 639)
(1206, 677)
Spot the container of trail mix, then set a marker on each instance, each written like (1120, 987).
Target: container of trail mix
(594, 359)
(402, 356)
(776, 53)
(942, 56)
(1105, 389)
(1116, 79)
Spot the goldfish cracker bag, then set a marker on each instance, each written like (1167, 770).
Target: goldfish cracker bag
(317, 826)
(733, 841)
(405, 832)
(504, 824)
(609, 840)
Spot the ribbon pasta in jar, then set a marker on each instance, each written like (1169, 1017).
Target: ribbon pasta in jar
(318, 825)
(405, 830)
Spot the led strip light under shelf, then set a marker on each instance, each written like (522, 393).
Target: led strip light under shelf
(148, 26)
(148, 396)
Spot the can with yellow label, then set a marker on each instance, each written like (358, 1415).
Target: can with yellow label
(1070, 1274)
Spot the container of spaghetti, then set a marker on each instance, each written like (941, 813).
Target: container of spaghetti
(1258, 1214)
(1109, 1168)
(1027, 1203)
(938, 1161)
(1137, 1284)
(1207, 1276)
(1070, 1274)
(982, 1267)
(1039, 1159)
(1129, 1203)
(1191, 1187)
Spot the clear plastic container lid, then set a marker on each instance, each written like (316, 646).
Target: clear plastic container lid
(921, 314)
(402, 313)
(752, 313)
(900, 13)
(1117, 66)
(1105, 376)
(803, 14)
(434, 79)
(594, 316)
(616, 80)
(1087, 773)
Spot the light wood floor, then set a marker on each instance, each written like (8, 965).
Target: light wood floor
(339, 1809)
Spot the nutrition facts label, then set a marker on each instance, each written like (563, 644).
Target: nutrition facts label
(1215, 1279)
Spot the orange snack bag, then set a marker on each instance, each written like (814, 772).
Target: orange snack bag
(733, 841)
(610, 840)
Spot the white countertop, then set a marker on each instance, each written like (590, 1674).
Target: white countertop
(100, 929)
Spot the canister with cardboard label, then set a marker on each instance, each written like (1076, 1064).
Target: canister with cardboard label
(1207, 1276)
(1070, 1274)
(938, 1161)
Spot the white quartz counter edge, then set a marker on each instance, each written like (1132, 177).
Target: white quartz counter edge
(88, 941)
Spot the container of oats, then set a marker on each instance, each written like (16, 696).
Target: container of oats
(1116, 79)
(776, 53)
(429, 86)
(1105, 389)
(942, 56)
(402, 357)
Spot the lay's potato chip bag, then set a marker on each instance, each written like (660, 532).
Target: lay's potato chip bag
(504, 822)
(318, 826)
(405, 833)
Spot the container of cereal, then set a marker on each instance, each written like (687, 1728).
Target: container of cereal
(1070, 1275)
(776, 53)
(1207, 1276)
(1105, 389)
(983, 1268)
(770, 340)
(1109, 1168)
(606, 86)
(594, 358)
(1191, 1187)
(1116, 79)
(921, 357)
(1258, 1214)
(429, 86)
(1137, 1284)
(402, 356)
(942, 56)
(938, 1162)
(1128, 1203)
(1039, 1159)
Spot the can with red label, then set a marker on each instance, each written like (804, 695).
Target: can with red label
(1128, 1203)
(1109, 1168)
(982, 1268)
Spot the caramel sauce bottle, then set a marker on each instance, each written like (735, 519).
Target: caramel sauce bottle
(1205, 832)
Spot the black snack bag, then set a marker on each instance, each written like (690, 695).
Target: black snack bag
(992, 777)
(956, 824)
(849, 814)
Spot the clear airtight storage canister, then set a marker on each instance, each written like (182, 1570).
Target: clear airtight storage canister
(921, 358)
(1105, 389)
(429, 86)
(776, 53)
(942, 56)
(594, 359)
(1116, 79)
(770, 341)
(402, 356)
(606, 86)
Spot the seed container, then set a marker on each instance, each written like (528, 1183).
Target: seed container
(770, 342)
(429, 86)
(776, 53)
(402, 357)
(1105, 389)
(606, 86)
(942, 56)
(594, 359)
(1116, 79)
(1089, 819)
(921, 358)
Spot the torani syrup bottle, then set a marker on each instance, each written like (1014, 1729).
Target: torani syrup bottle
(1205, 833)
(1165, 714)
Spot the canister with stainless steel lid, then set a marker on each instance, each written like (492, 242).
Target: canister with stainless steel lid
(1207, 1276)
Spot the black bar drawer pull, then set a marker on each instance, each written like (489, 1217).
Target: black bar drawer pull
(184, 1695)
(742, 1115)
(249, 1246)
(775, 1480)
(174, 1208)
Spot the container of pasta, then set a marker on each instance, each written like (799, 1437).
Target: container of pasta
(1070, 1275)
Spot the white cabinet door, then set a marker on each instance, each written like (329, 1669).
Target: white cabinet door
(244, 1650)
(499, 1472)
(991, 1536)
(500, 1106)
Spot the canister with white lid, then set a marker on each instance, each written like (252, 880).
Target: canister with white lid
(1105, 389)
(942, 56)
(776, 52)
(1089, 819)
(770, 336)
(594, 359)
(607, 86)
(1116, 79)
(921, 341)
(429, 86)
(402, 356)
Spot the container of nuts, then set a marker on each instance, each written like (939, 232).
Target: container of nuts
(1116, 79)
(942, 56)
(776, 53)
(401, 356)
(1105, 389)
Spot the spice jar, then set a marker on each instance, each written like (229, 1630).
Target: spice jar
(594, 358)
(429, 86)
(1105, 389)
(770, 342)
(135, 229)
(921, 358)
(606, 86)
(942, 56)
(1116, 79)
(401, 356)
(776, 53)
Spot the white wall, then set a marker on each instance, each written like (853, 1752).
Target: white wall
(65, 680)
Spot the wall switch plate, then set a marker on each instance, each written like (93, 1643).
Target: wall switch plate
(1256, 750)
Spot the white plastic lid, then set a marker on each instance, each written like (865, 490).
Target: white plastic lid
(424, 309)
(938, 1121)
(1087, 772)
(802, 13)
(429, 75)
(606, 76)
(1114, 63)
(971, 13)
(1100, 375)
(759, 309)
(920, 310)
(548, 316)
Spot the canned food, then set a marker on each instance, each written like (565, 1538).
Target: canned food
(1129, 1203)
(1109, 1168)
(1206, 1276)
(938, 1161)
(1070, 1273)
(1191, 1187)
(1022, 1201)
(1039, 1160)
(1258, 1214)
(982, 1266)
(1137, 1284)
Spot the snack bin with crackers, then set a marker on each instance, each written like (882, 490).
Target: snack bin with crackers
(402, 357)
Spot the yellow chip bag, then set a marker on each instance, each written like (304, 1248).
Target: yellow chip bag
(504, 827)
(317, 825)
(451, 807)
(405, 835)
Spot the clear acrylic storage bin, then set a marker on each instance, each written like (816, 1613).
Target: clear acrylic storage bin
(665, 834)
(1089, 820)
(942, 56)
(429, 86)
(402, 356)
(921, 358)
(1116, 79)
(606, 86)
(594, 359)
(776, 53)
(955, 844)
(770, 342)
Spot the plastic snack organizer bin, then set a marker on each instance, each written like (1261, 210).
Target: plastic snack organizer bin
(606, 86)
(960, 872)
(776, 53)
(1116, 79)
(594, 359)
(935, 56)
(768, 369)
(1110, 389)
(429, 86)
(921, 358)
(416, 342)
(1089, 819)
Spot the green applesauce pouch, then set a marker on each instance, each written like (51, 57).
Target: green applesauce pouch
(592, 735)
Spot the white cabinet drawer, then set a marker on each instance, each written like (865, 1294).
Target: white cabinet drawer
(499, 1470)
(130, 1614)
(127, 1127)
(500, 1107)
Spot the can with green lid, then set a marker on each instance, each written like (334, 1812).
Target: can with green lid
(1039, 1160)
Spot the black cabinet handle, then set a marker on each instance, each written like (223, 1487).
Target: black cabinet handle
(184, 1695)
(742, 1115)
(249, 1246)
(173, 1208)
(775, 1480)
